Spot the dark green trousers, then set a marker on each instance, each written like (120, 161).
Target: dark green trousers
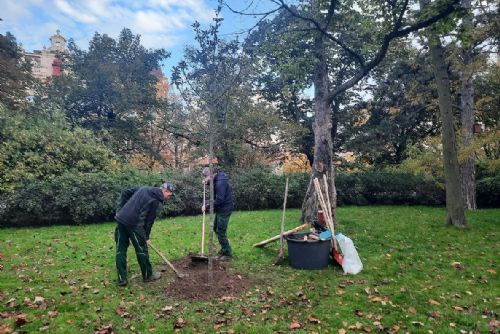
(220, 228)
(137, 235)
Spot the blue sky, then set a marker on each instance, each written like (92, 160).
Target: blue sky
(161, 23)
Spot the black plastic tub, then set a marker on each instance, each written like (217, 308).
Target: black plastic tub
(307, 254)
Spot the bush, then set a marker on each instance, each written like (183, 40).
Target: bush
(91, 197)
(376, 187)
(488, 191)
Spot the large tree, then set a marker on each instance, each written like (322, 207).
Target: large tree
(454, 200)
(358, 32)
(400, 111)
(15, 77)
(116, 97)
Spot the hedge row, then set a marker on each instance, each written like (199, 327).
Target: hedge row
(91, 198)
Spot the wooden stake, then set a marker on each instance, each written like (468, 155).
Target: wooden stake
(276, 237)
(280, 254)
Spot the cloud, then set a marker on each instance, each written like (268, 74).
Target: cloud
(161, 23)
(78, 15)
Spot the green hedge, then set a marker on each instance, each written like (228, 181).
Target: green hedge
(488, 192)
(91, 197)
(376, 187)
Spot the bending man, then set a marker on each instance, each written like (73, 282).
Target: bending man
(135, 216)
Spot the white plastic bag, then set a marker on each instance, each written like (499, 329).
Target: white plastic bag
(351, 263)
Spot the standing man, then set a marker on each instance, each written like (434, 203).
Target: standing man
(135, 216)
(223, 207)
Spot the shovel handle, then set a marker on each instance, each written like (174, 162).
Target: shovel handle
(203, 223)
(165, 259)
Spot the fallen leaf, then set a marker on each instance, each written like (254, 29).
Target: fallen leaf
(105, 330)
(180, 323)
(412, 310)
(491, 271)
(10, 302)
(21, 319)
(121, 312)
(141, 297)
(452, 324)
(417, 323)
(469, 293)
(5, 329)
(313, 320)
(458, 308)
(434, 302)
(39, 300)
(494, 324)
(167, 308)
(294, 325)
(339, 292)
(341, 331)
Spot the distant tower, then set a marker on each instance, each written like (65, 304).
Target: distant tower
(57, 42)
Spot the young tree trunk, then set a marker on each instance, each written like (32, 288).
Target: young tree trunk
(467, 167)
(322, 127)
(454, 200)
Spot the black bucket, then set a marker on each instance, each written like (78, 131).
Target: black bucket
(307, 254)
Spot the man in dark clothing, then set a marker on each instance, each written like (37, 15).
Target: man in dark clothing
(135, 216)
(223, 207)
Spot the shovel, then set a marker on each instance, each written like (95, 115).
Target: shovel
(201, 257)
(166, 261)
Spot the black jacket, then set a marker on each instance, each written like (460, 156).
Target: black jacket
(138, 207)
(223, 202)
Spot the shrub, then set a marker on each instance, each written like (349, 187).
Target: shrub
(75, 198)
(488, 191)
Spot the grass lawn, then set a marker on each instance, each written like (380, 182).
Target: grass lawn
(419, 276)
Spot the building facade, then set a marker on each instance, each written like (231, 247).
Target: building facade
(46, 63)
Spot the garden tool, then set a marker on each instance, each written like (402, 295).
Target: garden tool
(201, 257)
(166, 261)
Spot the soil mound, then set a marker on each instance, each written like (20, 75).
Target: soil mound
(226, 283)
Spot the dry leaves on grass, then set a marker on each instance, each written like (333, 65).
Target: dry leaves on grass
(294, 325)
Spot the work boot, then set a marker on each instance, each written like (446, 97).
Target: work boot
(122, 282)
(156, 275)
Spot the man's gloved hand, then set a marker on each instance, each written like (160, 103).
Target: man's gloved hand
(203, 208)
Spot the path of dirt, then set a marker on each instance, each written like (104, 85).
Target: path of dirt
(226, 283)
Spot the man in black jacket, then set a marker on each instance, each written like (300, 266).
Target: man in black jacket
(135, 216)
(223, 207)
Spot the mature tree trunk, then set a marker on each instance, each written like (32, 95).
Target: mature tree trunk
(467, 166)
(323, 146)
(454, 200)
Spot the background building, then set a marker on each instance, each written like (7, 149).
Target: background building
(45, 63)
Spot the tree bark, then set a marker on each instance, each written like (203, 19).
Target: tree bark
(454, 200)
(322, 127)
(467, 167)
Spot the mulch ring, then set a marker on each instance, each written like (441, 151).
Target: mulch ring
(225, 283)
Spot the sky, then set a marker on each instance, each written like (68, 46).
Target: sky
(161, 23)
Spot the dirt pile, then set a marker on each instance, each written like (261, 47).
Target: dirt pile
(225, 283)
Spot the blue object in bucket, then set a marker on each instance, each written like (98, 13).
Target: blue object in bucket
(325, 235)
